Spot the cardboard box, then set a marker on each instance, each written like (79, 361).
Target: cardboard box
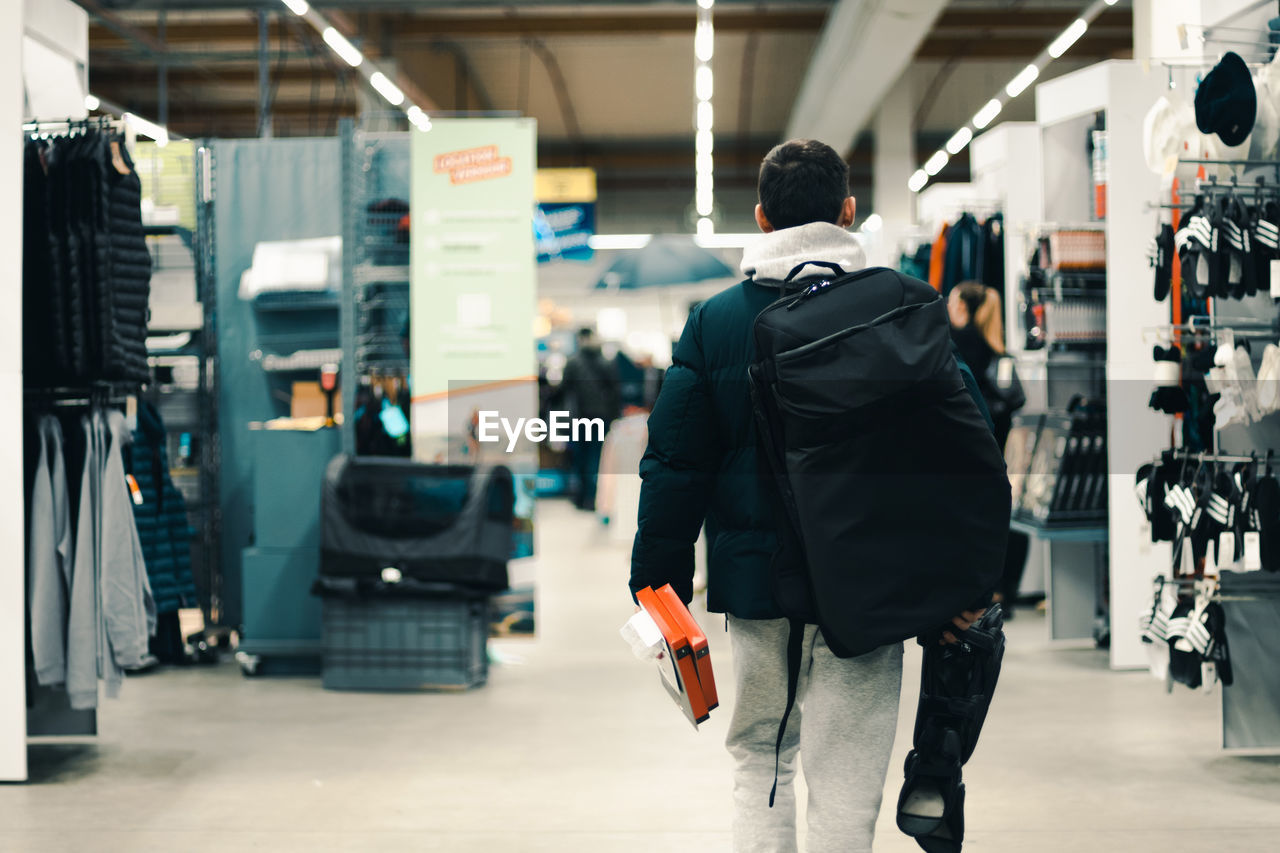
(308, 401)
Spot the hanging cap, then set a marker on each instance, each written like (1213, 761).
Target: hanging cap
(1226, 103)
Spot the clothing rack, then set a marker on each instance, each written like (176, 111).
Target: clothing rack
(103, 393)
(69, 125)
(1223, 458)
(1235, 164)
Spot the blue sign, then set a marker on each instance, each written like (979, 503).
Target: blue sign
(563, 231)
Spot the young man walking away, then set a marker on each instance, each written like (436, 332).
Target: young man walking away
(701, 466)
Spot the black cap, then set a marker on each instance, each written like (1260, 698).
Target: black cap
(1226, 103)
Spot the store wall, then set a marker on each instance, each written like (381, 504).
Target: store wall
(270, 189)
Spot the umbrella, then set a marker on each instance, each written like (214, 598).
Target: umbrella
(667, 259)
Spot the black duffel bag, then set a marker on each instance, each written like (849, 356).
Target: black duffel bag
(450, 524)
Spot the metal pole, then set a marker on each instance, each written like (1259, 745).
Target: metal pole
(264, 75)
(348, 371)
(162, 69)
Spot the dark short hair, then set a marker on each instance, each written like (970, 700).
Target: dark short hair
(803, 181)
(585, 332)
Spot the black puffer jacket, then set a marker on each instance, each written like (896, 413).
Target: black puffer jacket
(701, 462)
(161, 518)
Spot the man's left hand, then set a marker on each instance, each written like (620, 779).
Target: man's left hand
(963, 622)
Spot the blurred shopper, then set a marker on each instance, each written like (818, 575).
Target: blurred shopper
(590, 389)
(977, 328)
(701, 465)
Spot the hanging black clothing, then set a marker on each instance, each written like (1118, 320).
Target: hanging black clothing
(161, 517)
(965, 253)
(86, 267)
(993, 254)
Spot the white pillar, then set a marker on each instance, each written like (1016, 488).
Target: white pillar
(893, 161)
(13, 697)
(895, 154)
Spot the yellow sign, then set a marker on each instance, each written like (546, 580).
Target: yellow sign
(564, 186)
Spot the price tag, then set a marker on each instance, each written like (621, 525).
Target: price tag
(1275, 279)
(1252, 551)
(1227, 547)
(134, 491)
(1208, 676)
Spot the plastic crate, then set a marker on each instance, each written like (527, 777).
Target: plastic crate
(405, 643)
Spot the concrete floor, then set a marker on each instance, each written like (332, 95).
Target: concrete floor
(573, 747)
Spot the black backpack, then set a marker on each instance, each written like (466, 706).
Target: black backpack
(891, 484)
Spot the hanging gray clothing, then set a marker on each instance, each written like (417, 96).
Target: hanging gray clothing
(49, 557)
(83, 625)
(128, 610)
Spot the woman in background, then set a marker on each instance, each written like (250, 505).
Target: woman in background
(977, 327)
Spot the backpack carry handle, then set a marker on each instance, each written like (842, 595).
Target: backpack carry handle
(836, 268)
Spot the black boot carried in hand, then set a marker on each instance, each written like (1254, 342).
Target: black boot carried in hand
(956, 686)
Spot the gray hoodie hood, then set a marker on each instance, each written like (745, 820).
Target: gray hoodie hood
(774, 255)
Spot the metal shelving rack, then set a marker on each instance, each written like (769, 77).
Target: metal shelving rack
(210, 529)
(375, 259)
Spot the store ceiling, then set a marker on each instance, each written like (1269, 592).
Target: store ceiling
(610, 83)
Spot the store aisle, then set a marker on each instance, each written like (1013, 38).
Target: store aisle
(575, 748)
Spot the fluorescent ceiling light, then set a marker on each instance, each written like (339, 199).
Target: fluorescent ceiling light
(1025, 78)
(704, 142)
(297, 7)
(917, 180)
(707, 4)
(989, 111)
(1110, 2)
(704, 164)
(934, 164)
(873, 223)
(704, 202)
(703, 82)
(1069, 36)
(418, 118)
(957, 142)
(91, 102)
(706, 227)
(726, 241)
(604, 242)
(705, 115)
(147, 128)
(342, 47)
(704, 41)
(386, 88)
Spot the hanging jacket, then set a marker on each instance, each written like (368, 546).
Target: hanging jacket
(938, 257)
(49, 557)
(82, 619)
(993, 254)
(965, 253)
(128, 609)
(122, 314)
(161, 517)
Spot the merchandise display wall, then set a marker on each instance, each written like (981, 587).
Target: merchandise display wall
(1122, 92)
(276, 189)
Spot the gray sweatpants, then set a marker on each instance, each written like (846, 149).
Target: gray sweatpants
(845, 717)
